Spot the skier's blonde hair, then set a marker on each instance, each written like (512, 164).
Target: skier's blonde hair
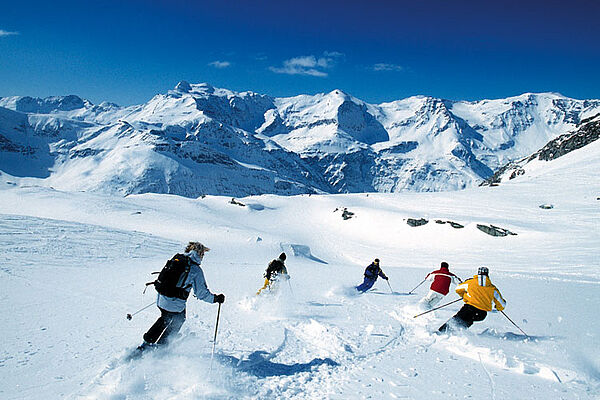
(197, 246)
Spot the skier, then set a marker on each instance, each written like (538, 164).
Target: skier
(172, 304)
(275, 270)
(442, 278)
(371, 274)
(479, 296)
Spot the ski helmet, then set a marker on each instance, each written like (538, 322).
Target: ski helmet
(483, 271)
(282, 257)
(376, 261)
(444, 264)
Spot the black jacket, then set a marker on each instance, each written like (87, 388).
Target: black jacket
(373, 271)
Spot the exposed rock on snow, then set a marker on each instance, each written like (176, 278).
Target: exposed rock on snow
(237, 203)
(345, 213)
(416, 222)
(453, 224)
(494, 230)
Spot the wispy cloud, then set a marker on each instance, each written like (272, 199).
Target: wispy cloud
(387, 67)
(309, 65)
(7, 33)
(220, 64)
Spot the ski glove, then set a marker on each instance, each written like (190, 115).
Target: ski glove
(219, 298)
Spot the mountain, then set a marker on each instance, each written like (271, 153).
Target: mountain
(197, 139)
(587, 132)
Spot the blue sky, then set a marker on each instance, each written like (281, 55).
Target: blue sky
(128, 51)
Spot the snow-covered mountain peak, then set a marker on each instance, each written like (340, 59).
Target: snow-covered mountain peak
(327, 142)
(184, 87)
(206, 90)
(342, 97)
(46, 105)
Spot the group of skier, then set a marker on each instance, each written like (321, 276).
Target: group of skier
(478, 293)
(182, 273)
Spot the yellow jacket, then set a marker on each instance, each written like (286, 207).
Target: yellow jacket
(480, 293)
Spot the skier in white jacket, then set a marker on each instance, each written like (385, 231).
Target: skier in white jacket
(171, 301)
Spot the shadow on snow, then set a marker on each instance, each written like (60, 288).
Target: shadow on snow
(259, 365)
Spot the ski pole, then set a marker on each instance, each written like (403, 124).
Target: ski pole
(129, 316)
(503, 313)
(215, 338)
(291, 291)
(423, 281)
(391, 290)
(437, 308)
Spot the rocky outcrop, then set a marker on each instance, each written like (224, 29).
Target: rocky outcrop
(416, 222)
(345, 213)
(587, 132)
(493, 230)
(453, 224)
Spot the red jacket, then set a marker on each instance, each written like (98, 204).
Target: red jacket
(442, 278)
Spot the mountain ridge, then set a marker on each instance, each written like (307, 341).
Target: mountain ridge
(197, 139)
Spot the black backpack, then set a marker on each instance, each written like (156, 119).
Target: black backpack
(172, 277)
(275, 267)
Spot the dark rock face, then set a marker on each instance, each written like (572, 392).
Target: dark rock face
(355, 120)
(586, 134)
(416, 222)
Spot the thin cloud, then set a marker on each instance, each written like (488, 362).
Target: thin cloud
(7, 33)
(309, 65)
(220, 64)
(334, 54)
(387, 67)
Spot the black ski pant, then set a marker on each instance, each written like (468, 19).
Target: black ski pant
(464, 318)
(168, 324)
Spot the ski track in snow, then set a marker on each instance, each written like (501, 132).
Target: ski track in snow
(69, 281)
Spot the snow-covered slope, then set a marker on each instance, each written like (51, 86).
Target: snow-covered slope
(197, 139)
(75, 263)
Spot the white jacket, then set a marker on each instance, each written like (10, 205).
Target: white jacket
(196, 279)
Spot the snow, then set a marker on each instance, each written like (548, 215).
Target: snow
(329, 142)
(75, 263)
